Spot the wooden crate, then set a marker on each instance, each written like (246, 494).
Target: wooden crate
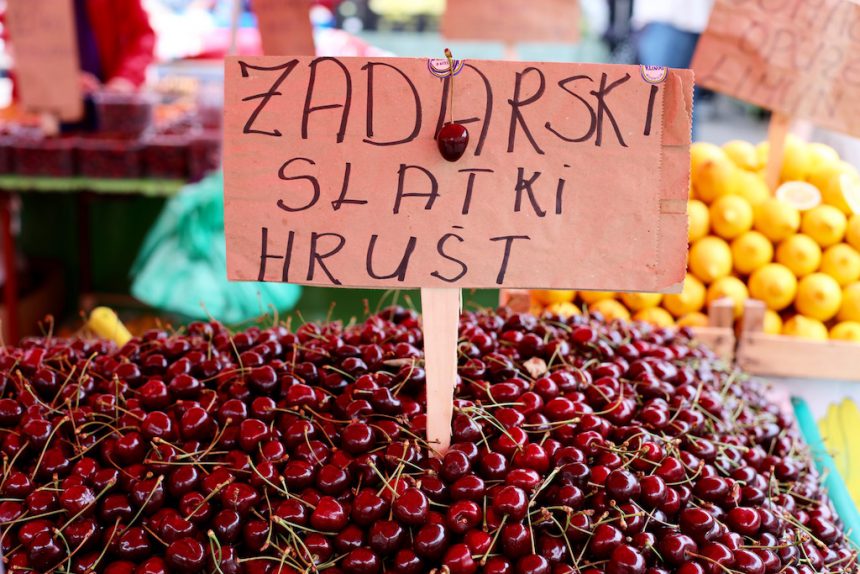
(719, 335)
(778, 356)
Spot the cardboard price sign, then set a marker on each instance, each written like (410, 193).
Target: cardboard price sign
(47, 71)
(576, 175)
(512, 21)
(285, 27)
(795, 57)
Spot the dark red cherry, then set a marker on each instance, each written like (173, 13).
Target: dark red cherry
(453, 139)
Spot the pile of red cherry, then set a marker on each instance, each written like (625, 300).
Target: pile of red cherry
(579, 447)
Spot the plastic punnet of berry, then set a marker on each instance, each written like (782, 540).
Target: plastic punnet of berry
(578, 447)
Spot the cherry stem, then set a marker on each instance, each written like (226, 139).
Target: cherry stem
(450, 58)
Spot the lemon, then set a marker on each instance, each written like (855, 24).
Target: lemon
(796, 160)
(799, 194)
(743, 154)
(656, 316)
(829, 181)
(800, 254)
(699, 218)
(842, 262)
(710, 259)
(702, 153)
(819, 296)
(850, 187)
(852, 233)
(805, 328)
(732, 288)
(850, 310)
(750, 251)
(550, 297)
(639, 301)
(846, 331)
(774, 284)
(689, 300)
(715, 178)
(820, 156)
(762, 150)
(592, 297)
(731, 215)
(693, 320)
(610, 309)
(772, 322)
(564, 309)
(776, 219)
(752, 187)
(825, 224)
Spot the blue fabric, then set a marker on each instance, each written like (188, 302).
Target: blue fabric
(664, 45)
(88, 50)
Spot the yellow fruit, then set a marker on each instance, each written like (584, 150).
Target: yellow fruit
(850, 310)
(701, 153)
(800, 254)
(825, 224)
(846, 331)
(710, 259)
(564, 309)
(804, 196)
(750, 251)
(796, 161)
(731, 215)
(656, 316)
(639, 301)
(693, 320)
(715, 178)
(850, 187)
(550, 297)
(752, 187)
(828, 180)
(690, 300)
(852, 234)
(805, 328)
(819, 296)
(772, 322)
(743, 154)
(776, 220)
(610, 309)
(592, 297)
(762, 150)
(821, 155)
(699, 218)
(842, 262)
(730, 287)
(774, 284)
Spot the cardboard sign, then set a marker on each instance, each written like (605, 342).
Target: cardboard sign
(285, 27)
(796, 57)
(512, 21)
(47, 71)
(576, 175)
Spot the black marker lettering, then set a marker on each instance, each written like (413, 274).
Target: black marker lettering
(266, 96)
(347, 98)
(417, 126)
(313, 181)
(488, 110)
(440, 248)
(318, 258)
(524, 184)
(592, 127)
(287, 257)
(400, 272)
(337, 203)
(652, 97)
(516, 103)
(509, 241)
(470, 186)
(401, 181)
(603, 109)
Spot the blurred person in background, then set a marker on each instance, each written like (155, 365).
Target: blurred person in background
(116, 44)
(668, 31)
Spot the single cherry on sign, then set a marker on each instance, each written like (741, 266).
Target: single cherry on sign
(452, 141)
(453, 138)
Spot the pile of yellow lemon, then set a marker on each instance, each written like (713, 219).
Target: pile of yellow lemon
(798, 250)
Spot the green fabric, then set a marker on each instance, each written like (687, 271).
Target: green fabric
(148, 187)
(182, 265)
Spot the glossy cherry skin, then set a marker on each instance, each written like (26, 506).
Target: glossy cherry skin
(452, 140)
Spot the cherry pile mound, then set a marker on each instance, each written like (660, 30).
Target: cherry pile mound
(579, 447)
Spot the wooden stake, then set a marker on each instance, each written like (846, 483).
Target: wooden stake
(511, 52)
(50, 124)
(780, 125)
(441, 311)
(235, 16)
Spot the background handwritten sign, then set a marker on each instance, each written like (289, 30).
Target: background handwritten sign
(285, 27)
(798, 58)
(576, 175)
(512, 21)
(46, 56)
